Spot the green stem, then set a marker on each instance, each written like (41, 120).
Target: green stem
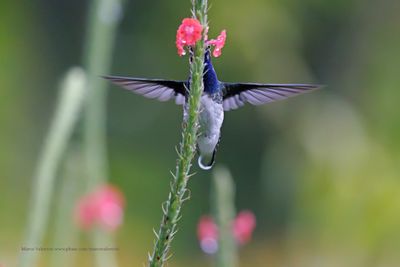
(65, 232)
(172, 207)
(66, 115)
(224, 212)
(102, 239)
(102, 26)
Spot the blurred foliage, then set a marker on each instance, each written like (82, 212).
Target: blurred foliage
(320, 171)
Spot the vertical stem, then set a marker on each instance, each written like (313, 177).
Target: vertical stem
(224, 212)
(172, 207)
(66, 115)
(104, 258)
(102, 25)
(65, 233)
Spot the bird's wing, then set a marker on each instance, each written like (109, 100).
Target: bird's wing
(236, 95)
(162, 90)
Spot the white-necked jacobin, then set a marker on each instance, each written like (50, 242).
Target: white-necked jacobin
(217, 97)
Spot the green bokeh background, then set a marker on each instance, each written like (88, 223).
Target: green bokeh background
(320, 171)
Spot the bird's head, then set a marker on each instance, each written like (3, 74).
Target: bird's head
(207, 54)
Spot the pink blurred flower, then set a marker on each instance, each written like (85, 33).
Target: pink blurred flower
(219, 43)
(207, 233)
(85, 212)
(104, 207)
(243, 226)
(189, 32)
(242, 230)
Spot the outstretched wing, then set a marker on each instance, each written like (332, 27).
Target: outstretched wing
(162, 90)
(236, 95)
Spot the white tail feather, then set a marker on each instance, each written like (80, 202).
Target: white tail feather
(202, 166)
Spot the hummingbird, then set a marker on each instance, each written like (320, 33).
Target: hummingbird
(217, 98)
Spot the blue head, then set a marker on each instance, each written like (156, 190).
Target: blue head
(210, 80)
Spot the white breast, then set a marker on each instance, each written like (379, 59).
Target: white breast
(210, 120)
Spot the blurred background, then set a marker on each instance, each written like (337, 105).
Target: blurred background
(320, 171)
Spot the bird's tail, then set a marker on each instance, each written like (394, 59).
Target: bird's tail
(205, 162)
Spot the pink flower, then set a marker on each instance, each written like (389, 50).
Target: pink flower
(242, 230)
(243, 226)
(219, 43)
(85, 212)
(207, 233)
(104, 207)
(189, 32)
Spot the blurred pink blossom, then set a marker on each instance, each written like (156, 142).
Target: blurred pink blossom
(243, 226)
(242, 230)
(85, 212)
(103, 207)
(207, 233)
(189, 32)
(219, 43)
